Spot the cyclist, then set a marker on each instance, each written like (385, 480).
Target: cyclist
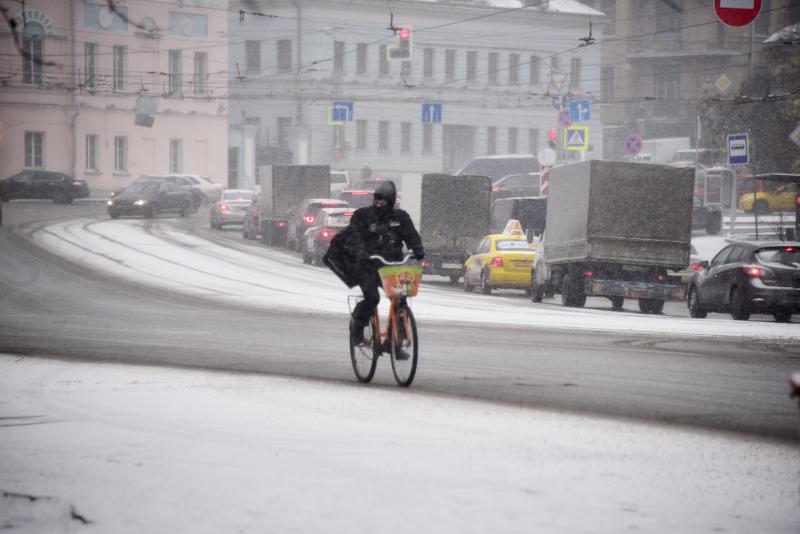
(379, 229)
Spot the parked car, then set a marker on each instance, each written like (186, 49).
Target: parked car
(517, 185)
(356, 198)
(749, 277)
(500, 261)
(198, 197)
(230, 208)
(687, 273)
(317, 239)
(497, 166)
(340, 181)
(706, 217)
(47, 185)
(210, 189)
(150, 198)
(251, 222)
(782, 198)
(304, 216)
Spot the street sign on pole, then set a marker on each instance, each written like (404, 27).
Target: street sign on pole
(633, 144)
(564, 119)
(342, 111)
(737, 12)
(576, 138)
(738, 153)
(431, 113)
(579, 110)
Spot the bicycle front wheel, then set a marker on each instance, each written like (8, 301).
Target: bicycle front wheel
(365, 357)
(404, 346)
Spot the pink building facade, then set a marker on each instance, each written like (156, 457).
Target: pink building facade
(74, 74)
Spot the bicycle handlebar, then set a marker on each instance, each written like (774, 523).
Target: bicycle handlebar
(406, 257)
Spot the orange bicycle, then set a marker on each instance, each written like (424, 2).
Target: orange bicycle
(400, 282)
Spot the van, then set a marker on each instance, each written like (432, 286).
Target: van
(495, 167)
(529, 211)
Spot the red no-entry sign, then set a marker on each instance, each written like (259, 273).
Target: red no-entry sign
(737, 12)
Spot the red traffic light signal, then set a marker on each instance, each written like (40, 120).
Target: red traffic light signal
(405, 33)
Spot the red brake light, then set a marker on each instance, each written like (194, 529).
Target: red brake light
(281, 224)
(588, 274)
(495, 189)
(349, 213)
(696, 267)
(757, 272)
(497, 261)
(425, 263)
(327, 233)
(360, 193)
(660, 277)
(329, 204)
(224, 207)
(752, 272)
(309, 219)
(789, 249)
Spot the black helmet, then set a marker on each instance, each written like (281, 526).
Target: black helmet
(386, 191)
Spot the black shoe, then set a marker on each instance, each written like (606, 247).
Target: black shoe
(356, 334)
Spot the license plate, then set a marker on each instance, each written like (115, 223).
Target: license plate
(451, 265)
(525, 264)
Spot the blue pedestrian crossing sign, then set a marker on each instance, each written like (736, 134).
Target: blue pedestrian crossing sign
(342, 112)
(431, 113)
(579, 110)
(576, 138)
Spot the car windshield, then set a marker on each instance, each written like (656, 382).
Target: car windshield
(338, 178)
(237, 196)
(512, 244)
(357, 199)
(783, 255)
(339, 219)
(497, 168)
(146, 186)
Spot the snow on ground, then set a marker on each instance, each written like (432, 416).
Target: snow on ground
(132, 449)
(255, 275)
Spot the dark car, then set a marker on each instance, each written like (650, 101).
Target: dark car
(357, 198)
(304, 216)
(55, 186)
(517, 185)
(150, 198)
(707, 217)
(198, 197)
(749, 277)
(251, 223)
(495, 167)
(531, 212)
(317, 239)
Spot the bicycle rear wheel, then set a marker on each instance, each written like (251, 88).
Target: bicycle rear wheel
(365, 357)
(404, 347)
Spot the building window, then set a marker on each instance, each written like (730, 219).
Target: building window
(90, 63)
(533, 70)
(667, 85)
(533, 141)
(175, 155)
(284, 125)
(91, 153)
(383, 135)
(405, 137)
(120, 53)
(513, 69)
(427, 63)
(34, 150)
(200, 73)
(253, 56)
(512, 140)
(575, 72)
(175, 72)
(120, 154)
(472, 64)
(361, 58)
(427, 138)
(449, 64)
(383, 62)
(491, 140)
(338, 57)
(493, 60)
(608, 83)
(284, 54)
(33, 53)
(361, 134)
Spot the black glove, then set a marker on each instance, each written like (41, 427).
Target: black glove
(419, 255)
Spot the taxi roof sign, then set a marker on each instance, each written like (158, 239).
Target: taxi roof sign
(513, 227)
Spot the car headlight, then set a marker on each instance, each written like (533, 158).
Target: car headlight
(140, 202)
(110, 202)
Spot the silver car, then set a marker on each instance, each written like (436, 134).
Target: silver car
(230, 208)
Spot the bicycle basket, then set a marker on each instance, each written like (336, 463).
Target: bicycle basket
(400, 280)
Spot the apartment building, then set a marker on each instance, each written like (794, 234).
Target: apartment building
(314, 82)
(73, 72)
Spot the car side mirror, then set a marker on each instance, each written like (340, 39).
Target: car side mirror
(704, 264)
(530, 235)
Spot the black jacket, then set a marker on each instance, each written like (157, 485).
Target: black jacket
(371, 231)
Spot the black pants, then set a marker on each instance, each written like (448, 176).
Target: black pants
(370, 282)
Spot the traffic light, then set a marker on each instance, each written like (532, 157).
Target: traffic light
(402, 50)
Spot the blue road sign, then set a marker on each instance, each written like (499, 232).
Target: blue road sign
(431, 113)
(579, 110)
(342, 111)
(633, 144)
(564, 119)
(576, 138)
(738, 149)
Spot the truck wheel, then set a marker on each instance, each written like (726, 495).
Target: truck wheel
(454, 278)
(740, 308)
(617, 302)
(714, 224)
(654, 306)
(537, 291)
(693, 302)
(571, 294)
(782, 315)
(485, 287)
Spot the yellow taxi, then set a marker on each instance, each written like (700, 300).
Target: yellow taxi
(501, 261)
(781, 199)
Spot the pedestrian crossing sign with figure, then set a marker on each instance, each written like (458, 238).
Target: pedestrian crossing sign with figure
(576, 138)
